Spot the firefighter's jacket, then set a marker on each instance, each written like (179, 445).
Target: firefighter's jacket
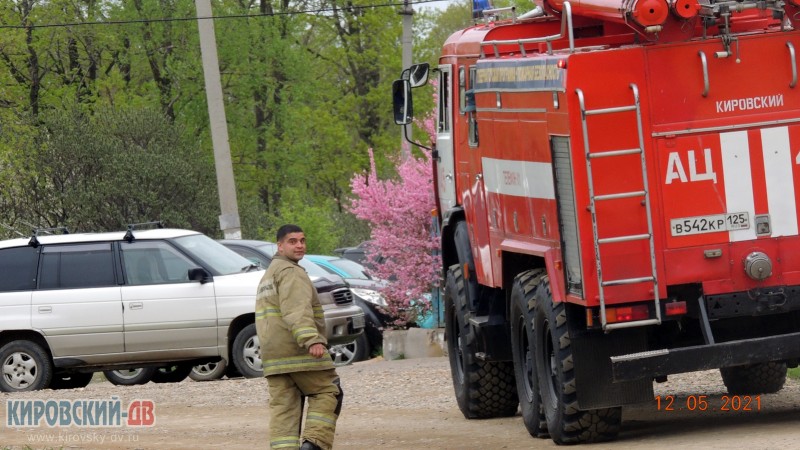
(289, 319)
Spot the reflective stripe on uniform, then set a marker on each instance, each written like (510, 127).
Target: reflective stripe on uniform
(303, 332)
(295, 364)
(285, 442)
(268, 312)
(328, 419)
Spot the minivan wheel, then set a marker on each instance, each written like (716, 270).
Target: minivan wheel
(208, 371)
(171, 374)
(129, 377)
(24, 366)
(247, 352)
(71, 381)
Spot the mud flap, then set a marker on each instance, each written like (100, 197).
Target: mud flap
(592, 354)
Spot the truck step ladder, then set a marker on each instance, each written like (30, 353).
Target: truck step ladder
(593, 199)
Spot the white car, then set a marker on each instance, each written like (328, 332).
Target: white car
(165, 299)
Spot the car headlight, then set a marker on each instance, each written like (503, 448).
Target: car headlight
(368, 295)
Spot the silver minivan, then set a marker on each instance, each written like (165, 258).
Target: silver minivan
(73, 304)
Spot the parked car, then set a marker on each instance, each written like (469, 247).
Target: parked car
(261, 252)
(367, 292)
(367, 295)
(357, 254)
(342, 317)
(166, 299)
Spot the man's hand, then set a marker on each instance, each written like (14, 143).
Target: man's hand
(317, 350)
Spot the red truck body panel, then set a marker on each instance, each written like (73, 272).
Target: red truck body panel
(717, 150)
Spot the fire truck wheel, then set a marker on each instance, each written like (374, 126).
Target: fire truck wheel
(483, 389)
(566, 423)
(760, 378)
(522, 339)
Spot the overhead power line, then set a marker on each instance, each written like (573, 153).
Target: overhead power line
(233, 16)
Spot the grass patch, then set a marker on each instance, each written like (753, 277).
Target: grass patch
(794, 373)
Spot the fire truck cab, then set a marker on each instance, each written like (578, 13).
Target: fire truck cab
(616, 187)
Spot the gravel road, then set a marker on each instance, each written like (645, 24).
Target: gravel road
(406, 404)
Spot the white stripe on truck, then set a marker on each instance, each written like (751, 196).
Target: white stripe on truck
(778, 165)
(738, 180)
(519, 178)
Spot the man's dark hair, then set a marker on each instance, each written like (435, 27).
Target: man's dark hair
(286, 229)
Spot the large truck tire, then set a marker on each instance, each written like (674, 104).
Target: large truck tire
(484, 389)
(566, 423)
(523, 304)
(760, 378)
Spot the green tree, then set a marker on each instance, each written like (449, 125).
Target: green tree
(267, 78)
(99, 172)
(305, 94)
(316, 221)
(433, 27)
(23, 55)
(159, 55)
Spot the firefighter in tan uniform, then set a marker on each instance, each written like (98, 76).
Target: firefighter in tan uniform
(291, 331)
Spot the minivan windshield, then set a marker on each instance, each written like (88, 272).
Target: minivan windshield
(215, 256)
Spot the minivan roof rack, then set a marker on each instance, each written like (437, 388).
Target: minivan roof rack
(133, 226)
(34, 242)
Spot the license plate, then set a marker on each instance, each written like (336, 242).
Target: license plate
(710, 224)
(358, 322)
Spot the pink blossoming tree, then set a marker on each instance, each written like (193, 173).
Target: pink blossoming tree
(403, 249)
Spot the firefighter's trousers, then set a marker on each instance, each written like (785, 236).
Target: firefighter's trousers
(322, 392)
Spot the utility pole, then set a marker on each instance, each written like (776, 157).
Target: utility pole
(229, 219)
(407, 12)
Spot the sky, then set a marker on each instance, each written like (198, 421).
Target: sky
(441, 4)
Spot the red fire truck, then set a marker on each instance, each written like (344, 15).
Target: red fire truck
(616, 187)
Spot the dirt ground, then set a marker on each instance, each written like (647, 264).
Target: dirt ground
(407, 404)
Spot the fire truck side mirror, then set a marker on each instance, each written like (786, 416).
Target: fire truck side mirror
(403, 106)
(418, 74)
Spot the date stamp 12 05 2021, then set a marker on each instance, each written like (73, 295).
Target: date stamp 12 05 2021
(735, 403)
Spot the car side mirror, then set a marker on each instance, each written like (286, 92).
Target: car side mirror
(199, 274)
